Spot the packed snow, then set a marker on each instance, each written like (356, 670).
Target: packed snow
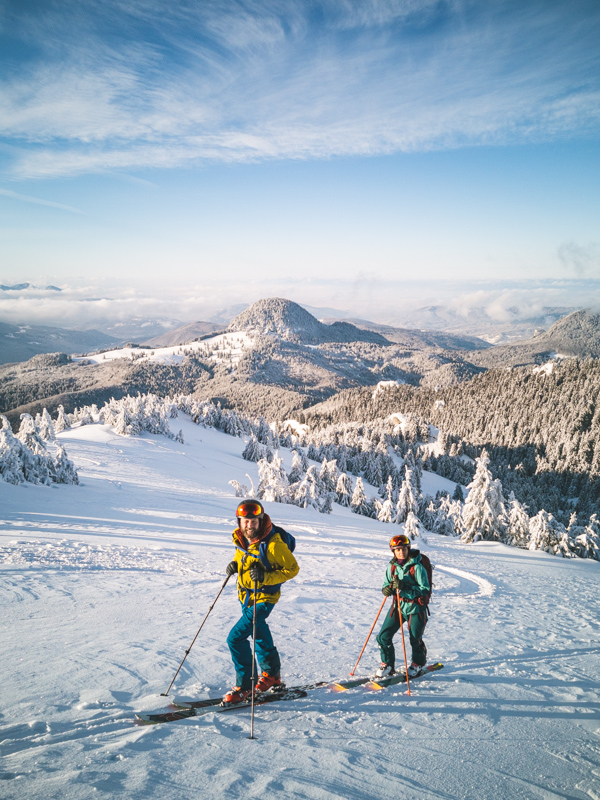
(105, 585)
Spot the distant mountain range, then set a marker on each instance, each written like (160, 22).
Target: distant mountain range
(183, 334)
(291, 360)
(21, 342)
(478, 322)
(20, 287)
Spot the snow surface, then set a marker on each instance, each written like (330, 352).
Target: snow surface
(105, 584)
(224, 347)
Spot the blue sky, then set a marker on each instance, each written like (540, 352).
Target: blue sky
(226, 151)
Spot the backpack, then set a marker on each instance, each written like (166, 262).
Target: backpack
(426, 563)
(290, 543)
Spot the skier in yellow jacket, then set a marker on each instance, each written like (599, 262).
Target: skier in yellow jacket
(263, 559)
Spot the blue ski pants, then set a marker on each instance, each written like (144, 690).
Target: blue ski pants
(241, 652)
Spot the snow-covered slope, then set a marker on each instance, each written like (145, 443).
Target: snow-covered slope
(224, 347)
(105, 584)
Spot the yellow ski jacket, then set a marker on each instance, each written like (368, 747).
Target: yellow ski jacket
(285, 566)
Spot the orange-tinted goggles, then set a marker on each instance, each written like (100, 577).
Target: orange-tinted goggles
(249, 510)
(399, 541)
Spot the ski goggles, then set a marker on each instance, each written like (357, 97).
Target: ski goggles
(249, 510)
(399, 541)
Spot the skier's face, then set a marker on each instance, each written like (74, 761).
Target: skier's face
(401, 553)
(250, 527)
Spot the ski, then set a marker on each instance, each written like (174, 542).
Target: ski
(339, 686)
(178, 702)
(214, 705)
(184, 709)
(381, 683)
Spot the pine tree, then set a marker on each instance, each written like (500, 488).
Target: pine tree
(308, 492)
(587, 543)
(62, 420)
(518, 523)
(386, 511)
(343, 490)
(252, 451)
(44, 426)
(11, 468)
(359, 502)
(240, 489)
(412, 526)
(299, 466)
(407, 500)
(64, 470)
(458, 493)
(484, 513)
(546, 533)
(273, 483)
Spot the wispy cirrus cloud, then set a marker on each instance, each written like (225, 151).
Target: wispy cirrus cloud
(130, 85)
(38, 201)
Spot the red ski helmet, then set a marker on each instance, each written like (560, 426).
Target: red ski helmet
(399, 541)
(250, 508)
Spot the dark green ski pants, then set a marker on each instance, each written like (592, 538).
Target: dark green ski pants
(416, 625)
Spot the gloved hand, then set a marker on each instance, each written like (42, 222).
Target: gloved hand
(398, 584)
(231, 569)
(387, 591)
(257, 572)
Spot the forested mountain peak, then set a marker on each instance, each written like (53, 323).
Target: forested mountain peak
(577, 334)
(289, 321)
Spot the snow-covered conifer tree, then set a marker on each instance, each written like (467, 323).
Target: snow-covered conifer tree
(307, 492)
(484, 513)
(359, 502)
(587, 543)
(263, 433)
(458, 493)
(407, 500)
(518, 523)
(326, 504)
(343, 490)
(64, 470)
(386, 511)
(299, 465)
(45, 426)
(253, 450)
(412, 526)
(240, 489)
(11, 469)
(30, 437)
(62, 420)
(273, 483)
(547, 533)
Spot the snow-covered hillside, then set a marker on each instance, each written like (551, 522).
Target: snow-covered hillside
(105, 584)
(224, 347)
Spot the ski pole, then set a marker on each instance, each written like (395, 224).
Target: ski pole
(369, 636)
(164, 694)
(254, 587)
(403, 643)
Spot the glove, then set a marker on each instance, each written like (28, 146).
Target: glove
(232, 568)
(387, 591)
(257, 572)
(397, 584)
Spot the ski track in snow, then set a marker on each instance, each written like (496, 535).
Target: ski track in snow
(104, 586)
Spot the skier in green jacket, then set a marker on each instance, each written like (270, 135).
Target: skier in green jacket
(405, 574)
